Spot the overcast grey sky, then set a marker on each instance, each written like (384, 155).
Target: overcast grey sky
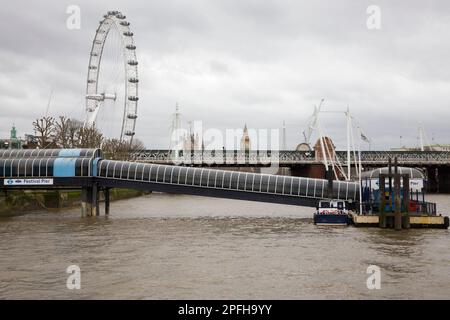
(234, 62)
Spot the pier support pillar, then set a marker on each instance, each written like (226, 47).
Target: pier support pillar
(406, 200)
(95, 202)
(86, 201)
(106, 194)
(89, 201)
(382, 219)
(398, 204)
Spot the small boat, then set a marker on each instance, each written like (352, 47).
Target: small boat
(331, 212)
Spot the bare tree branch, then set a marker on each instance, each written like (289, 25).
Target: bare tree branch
(45, 129)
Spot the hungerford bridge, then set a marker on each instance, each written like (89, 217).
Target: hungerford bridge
(86, 169)
(287, 158)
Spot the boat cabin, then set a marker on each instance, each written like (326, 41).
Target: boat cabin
(332, 207)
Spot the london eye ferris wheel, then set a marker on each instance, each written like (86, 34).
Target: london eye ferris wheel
(112, 80)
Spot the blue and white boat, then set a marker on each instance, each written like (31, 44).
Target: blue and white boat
(331, 212)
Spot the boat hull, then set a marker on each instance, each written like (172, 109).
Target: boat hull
(331, 219)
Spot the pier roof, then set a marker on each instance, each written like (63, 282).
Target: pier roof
(413, 172)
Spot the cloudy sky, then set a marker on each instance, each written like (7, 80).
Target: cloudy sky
(233, 62)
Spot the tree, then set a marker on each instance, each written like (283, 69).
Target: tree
(121, 150)
(90, 137)
(45, 129)
(62, 127)
(137, 145)
(74, 133)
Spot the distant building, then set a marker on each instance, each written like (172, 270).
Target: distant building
(15, 142)
(245, 140)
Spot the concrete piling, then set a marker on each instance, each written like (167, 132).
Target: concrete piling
(89, 201)
(398, 200)
(86, 201)
(382, 221)
(398, 204)
(106, 195)
(95, 202)
(406, 199)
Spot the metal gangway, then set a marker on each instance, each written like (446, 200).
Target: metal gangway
(86, 169)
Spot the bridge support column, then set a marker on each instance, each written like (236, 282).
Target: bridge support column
(406, 199)
(106, 195)
(382, 209)
(95, 202)
(86, 201)
(89, 201)
(398, 204)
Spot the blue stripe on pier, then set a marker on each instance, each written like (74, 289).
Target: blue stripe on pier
(64, 167)
(69, 153)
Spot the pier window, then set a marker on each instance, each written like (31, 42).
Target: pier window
(227, 180)
(296, 186)
(280, 184)
(241, 181)
(146, 172)
(264, 183)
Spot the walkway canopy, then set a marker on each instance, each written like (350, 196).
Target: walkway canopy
(375, 174)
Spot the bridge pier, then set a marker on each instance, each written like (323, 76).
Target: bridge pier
(438, 179)
(89, 201)
(106, 195)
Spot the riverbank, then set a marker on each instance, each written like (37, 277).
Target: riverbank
(19, 201)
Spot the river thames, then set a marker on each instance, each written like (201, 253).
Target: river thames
(162, 246)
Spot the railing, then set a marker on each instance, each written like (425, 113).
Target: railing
(264, 157)
(211, 157)
(403, 157)
(223, 180)
(427, 208)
